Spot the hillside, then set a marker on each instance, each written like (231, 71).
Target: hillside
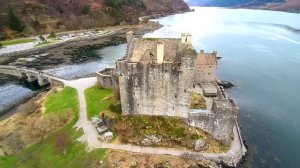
(32, 17)
(280, 5)
(229, 3)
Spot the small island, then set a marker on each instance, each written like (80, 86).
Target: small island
(170, 98)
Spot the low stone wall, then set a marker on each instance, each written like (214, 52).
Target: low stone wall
(40, 49)
(104, 78)
(230, 158)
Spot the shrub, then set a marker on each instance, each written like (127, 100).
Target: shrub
(36, 24)
(59, 9)
(117, 108)
(85, 10)
(42, 38)
(52, 35)
(14, 22)
(197, 101)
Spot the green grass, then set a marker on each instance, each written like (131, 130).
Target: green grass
(175, 132)
(97, 100)
(46, 154)
(44, 43)
(63, 100)
(17, 41)
(197, 101)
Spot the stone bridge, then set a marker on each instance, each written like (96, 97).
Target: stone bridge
(32, 75)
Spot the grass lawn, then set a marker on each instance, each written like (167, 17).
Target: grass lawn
(44, 43)
(17, 41)
(63, 100)
(60, 149)
(97, 100)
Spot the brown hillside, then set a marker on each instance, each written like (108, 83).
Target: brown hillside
(44, 16)
(289, 6)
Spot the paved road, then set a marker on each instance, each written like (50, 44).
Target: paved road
(17, 47)
(90, 133)
(30, 45)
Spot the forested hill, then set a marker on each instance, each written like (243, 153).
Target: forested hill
(25, 17)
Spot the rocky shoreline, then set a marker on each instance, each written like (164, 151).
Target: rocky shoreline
(71, 53)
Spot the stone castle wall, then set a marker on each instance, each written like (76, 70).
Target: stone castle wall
(205, 73)
(144, 88)
(220, 121)
(107, 78)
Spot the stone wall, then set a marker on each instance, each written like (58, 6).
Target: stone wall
(144, 88)
(205, 73)
(220, 121)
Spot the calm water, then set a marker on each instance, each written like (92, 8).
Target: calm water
(261, 55)
(109, 56)
(12, 94)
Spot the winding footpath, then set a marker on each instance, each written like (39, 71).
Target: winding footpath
(231, 157)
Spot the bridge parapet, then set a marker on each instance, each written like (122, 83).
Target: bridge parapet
(32, 75)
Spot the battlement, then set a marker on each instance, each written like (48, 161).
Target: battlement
(186, 38)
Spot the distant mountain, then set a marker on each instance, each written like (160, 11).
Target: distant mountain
(230, 3)
(280, 5)
(25, 17)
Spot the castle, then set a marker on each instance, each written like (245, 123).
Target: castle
(166, 76)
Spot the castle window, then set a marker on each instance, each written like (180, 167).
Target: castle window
(209, 66)
(184, 90)
(208, 74)
(176, 96)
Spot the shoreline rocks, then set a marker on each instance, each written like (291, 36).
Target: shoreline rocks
(225, 84)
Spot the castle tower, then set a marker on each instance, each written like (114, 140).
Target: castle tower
(160, 52)
(186, 38)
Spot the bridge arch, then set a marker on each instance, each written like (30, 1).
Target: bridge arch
(32, 75)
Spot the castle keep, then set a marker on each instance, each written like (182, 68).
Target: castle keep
(164, 76)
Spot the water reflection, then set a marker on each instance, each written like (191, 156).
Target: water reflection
(108, 56)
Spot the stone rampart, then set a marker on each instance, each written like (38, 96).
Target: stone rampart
(104, 78)
(220, 120)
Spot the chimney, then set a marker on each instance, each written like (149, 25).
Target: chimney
(129, 36)
(160, 52)
(186, 38)
(215, 53)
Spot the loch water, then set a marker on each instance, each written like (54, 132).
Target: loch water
(260, 53)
